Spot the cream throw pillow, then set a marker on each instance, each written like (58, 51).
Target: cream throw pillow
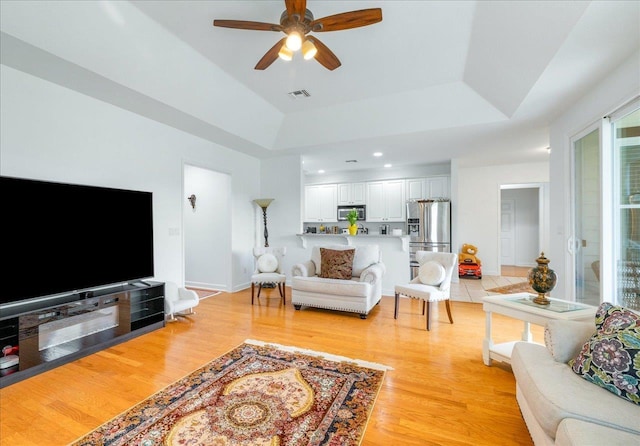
(431, 273)
(564, 339)
(267, 263)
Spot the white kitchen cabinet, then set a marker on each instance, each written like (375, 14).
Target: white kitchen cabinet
(430, 187)
(415, 188)
(351, 193)
(438, 187)
(386, 201)
(320, 203)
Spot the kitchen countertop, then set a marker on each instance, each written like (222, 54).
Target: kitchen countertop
(404, 239)
(371, 234)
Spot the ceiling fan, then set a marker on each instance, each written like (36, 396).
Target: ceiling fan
(296, 22)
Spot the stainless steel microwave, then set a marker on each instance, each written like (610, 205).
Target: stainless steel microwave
(344, 210)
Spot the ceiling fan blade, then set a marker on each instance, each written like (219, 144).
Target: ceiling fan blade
(244, 24)
(270, 56)
(347, 20)
(296, 7)
(324, 55)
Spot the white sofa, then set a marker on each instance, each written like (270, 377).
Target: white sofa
(559, 406)
(357, 295)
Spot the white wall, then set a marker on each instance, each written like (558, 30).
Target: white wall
(53, 133)
(612, 92)
(282, 181)
(207, 228)
(526, 224)
(478, 204)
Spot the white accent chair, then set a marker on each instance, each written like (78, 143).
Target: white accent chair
(357, 295)
(416, 289)
(269, 271)
(178, 300)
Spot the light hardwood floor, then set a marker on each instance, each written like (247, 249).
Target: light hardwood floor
(438, 393)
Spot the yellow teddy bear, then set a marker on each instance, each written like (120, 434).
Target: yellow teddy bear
(468, 254)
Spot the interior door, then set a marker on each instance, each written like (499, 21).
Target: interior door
(507, 232)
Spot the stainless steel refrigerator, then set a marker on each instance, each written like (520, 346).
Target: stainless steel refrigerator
(429, 228)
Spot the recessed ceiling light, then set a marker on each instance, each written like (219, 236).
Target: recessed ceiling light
(321, 171)
(387, 165)
(377, 154)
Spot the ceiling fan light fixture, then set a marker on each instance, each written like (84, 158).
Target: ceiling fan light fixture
(309, 50)
(285, 53)
(294, 41)
(296, 21)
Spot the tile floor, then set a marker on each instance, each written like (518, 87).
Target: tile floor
(473, 290)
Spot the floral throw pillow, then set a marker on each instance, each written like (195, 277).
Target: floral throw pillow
(611, 357)
(336, 264)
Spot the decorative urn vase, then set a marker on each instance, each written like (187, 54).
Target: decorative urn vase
(542, 279)
(353, 229)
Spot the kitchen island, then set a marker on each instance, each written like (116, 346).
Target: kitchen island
(394, 250)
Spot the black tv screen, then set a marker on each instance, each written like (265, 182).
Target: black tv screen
(60, 238)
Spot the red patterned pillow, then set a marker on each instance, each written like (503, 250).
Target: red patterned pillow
(336, 264)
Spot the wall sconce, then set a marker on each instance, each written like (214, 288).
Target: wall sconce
(264, 204)
(192, 200)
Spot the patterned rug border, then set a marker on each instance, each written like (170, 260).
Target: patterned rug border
(292, 349)
(186, 375)
(318, 354)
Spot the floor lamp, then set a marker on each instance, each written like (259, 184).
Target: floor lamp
(264, 204)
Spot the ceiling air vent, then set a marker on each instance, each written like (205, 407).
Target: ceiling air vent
(298, 94)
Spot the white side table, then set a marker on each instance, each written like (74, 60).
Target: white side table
(521, 306)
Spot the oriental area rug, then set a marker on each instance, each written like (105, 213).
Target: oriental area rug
(256, 394)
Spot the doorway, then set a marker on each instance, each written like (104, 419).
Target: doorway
(521, 225)
(207, 228)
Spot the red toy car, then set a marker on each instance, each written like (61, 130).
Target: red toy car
(468, 269)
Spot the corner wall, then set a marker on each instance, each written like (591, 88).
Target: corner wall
(281, 179)
(478, 204)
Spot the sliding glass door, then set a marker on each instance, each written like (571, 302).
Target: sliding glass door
(586, 240)
(625, 142)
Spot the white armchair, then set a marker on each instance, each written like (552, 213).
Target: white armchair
(178, 300)
(269, 271)
(433, 282)
(358, 294)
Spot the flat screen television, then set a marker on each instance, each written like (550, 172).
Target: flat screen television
(63, 238)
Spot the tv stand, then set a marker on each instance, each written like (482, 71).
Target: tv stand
(140, 283)
(52, 332)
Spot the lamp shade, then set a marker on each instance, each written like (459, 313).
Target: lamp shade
(263, 202)
(309, 50)
(294, 41)
(285, 53)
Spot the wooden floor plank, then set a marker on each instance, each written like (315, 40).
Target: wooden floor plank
(438, 393)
